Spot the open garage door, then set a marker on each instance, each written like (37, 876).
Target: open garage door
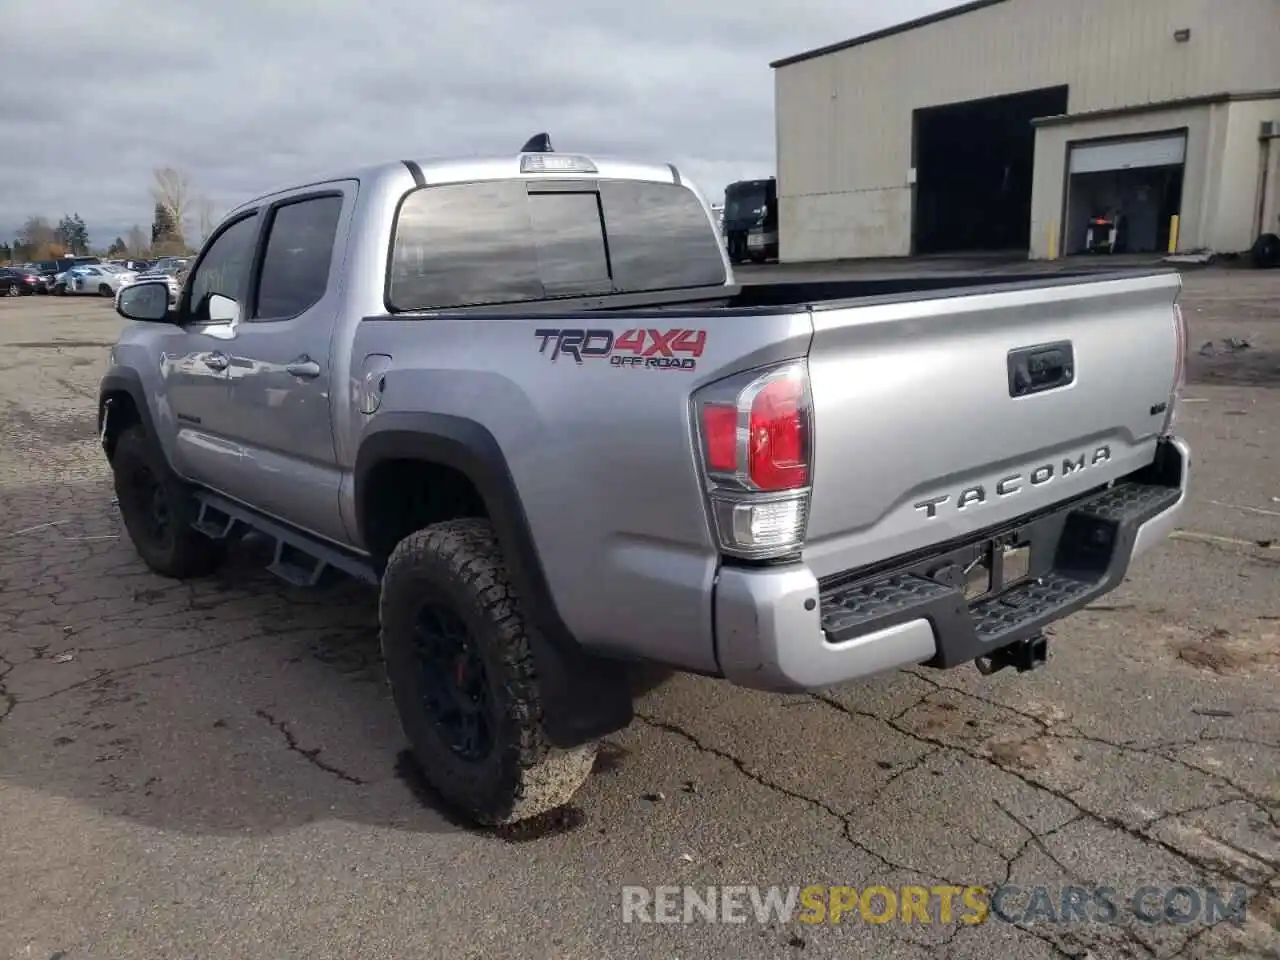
(1123, 194)
(974, 164)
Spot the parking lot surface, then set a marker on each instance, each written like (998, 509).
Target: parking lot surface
(215, 769)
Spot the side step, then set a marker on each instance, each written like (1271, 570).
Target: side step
(213, 523)
(300, 560)
(296, 567)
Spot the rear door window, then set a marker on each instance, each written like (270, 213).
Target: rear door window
(512, 241)
(295, 267)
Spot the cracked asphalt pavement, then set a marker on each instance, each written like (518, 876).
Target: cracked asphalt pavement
(215, 769)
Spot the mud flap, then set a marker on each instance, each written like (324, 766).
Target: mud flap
(585, 697)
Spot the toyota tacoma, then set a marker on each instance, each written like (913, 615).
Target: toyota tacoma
(526, 399)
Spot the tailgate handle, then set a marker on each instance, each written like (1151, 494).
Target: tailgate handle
(1046, 366)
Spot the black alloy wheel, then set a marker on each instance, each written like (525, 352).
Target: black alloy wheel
(147, 501)
(158, 510)
(454, 682)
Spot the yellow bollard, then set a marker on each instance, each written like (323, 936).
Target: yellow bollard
(1173, 234)
(1053, 241)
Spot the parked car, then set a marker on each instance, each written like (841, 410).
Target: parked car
(19, 281)
(559, 449)
(169, 263)
(750, 220)
(50, 270)
(135, 265)
(172, 277)
(101, 279)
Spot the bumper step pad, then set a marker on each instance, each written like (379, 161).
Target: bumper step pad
(1084, 551)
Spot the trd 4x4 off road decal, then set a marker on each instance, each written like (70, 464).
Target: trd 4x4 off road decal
(646, 349)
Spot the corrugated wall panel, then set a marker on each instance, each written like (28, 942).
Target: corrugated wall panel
(844, 121)
(1235, 225)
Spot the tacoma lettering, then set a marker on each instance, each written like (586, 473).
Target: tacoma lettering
(1008, 486)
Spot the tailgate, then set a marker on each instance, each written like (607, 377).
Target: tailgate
(939, 417)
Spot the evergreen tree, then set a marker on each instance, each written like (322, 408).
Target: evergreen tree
(64, 233)
(79, 236)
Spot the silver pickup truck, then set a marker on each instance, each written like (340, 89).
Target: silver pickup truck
(526, 398)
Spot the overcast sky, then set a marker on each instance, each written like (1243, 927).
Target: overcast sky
(249, 95)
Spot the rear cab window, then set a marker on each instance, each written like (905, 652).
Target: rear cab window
(518, 241)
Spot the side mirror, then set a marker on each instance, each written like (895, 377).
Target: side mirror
(144, 301)
(223, 309)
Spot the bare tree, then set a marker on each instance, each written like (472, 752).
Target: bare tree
(207, 220)
(171, 191)
(136, 241)
(38, 232)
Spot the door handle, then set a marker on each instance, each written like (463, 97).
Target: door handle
(304, 367)
(216, 361)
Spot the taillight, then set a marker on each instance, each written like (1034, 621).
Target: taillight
(778, 435)
(1179, 369)
(755, 433)
(720, 433)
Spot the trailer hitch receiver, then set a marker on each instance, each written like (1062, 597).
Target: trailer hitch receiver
(1023, 655)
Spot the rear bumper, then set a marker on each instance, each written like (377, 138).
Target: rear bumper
(781, 629)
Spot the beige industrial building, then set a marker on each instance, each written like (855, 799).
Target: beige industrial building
(1013, 124)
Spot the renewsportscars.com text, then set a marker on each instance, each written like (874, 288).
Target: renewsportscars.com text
(941, 904)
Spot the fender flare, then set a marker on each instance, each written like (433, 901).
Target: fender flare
(586, 696)
(126, 380)
(469, 448)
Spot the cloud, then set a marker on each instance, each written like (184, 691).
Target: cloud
(249, 95)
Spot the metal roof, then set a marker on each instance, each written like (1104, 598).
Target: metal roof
(886, 32)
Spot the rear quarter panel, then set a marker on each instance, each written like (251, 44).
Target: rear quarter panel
(603, 456)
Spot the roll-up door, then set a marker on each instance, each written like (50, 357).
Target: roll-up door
(1168, 151)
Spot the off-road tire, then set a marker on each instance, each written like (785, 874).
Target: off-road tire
(181, 552)
(458, 564)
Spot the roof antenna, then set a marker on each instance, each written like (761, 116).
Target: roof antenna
(538, 143)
